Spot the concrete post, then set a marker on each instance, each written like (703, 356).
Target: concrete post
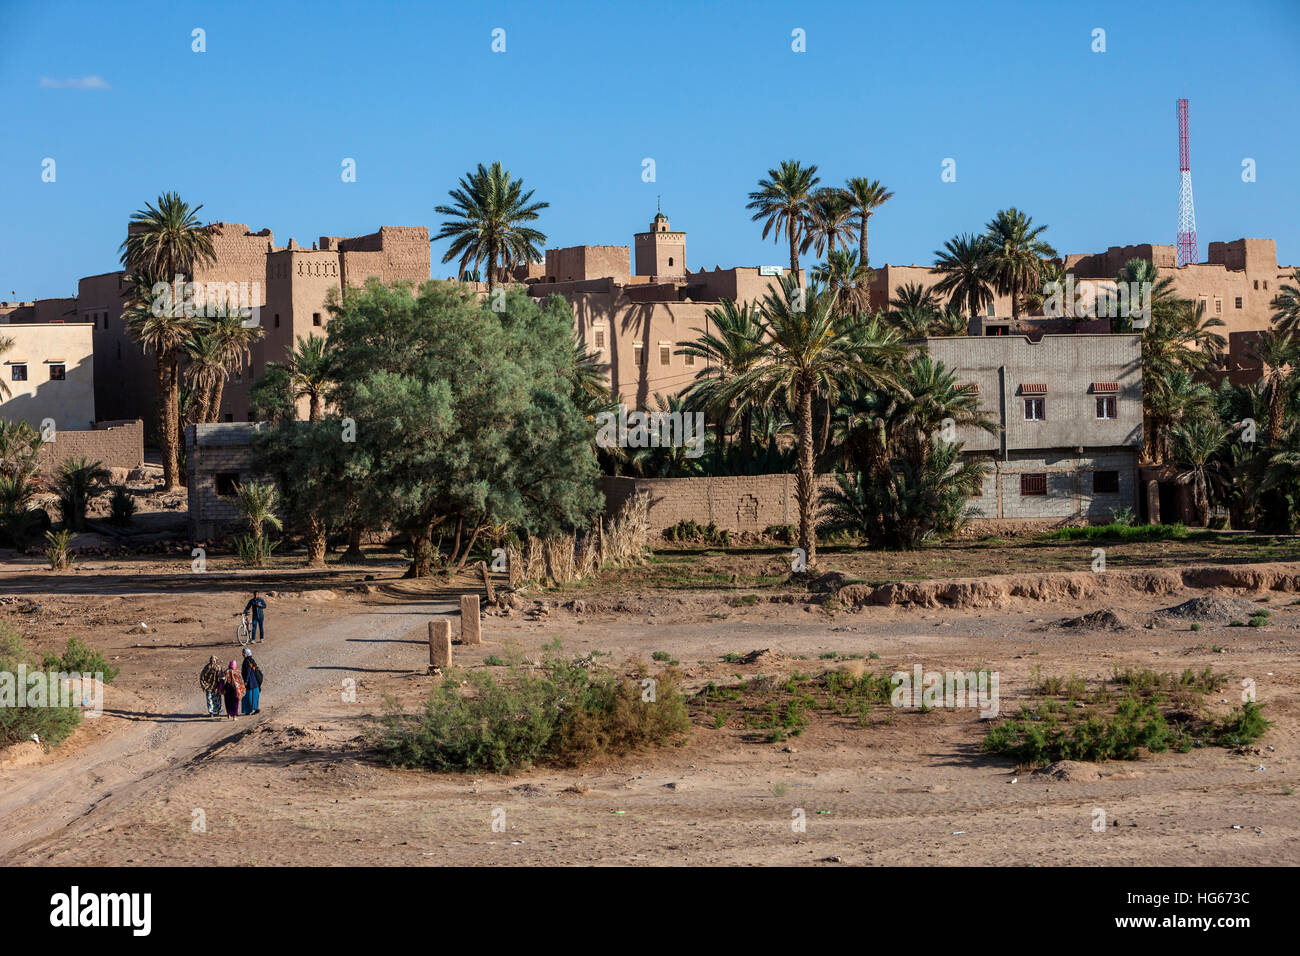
(470, 625)
(439, 645)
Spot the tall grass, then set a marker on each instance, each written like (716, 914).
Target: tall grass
(1119, 532)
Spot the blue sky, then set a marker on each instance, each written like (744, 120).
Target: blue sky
(256, 127)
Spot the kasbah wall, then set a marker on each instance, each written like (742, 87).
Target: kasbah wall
(117, 446)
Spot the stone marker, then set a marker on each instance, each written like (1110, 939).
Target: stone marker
(470, 629)
(439, 645)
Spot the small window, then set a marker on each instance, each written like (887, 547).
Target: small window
(670, 260)
(665, 354)
(688, 360)
(18, 373)
(1218, 306)
(1035, 409)
(1238, 302)
(600, 338)
(277, 320)
(315, 318)
(58, 373)
(1107, 406)
(227, 480)
(638, 354)
(1105, 482)
(1265, 283)
(230, 416)
(1033, 485)
(1256, 285)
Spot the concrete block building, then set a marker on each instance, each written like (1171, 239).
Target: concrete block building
(217, 458)
(1069, 410)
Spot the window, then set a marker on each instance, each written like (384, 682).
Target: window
(315, 318)
(1218, 306)
(230, 416)
(1256, 285)
(227, 480)
(665, 354)
(600, 338)
(18, 373)
(688, 361)
(670, 260)
(277, 320)
(1105, 482)
(58, 372)
(1035, 484)
(1035, 409)
(638, 354)
(1238, 303)
(1107, 406)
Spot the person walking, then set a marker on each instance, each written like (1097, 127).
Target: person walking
(252, 675)
(257, 627)
(232, 686)
(210, 683)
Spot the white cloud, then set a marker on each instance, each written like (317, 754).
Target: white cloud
(93, 82)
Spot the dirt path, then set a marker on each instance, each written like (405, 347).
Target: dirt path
(302, 659)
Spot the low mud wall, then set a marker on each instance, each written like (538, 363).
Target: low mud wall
(1000, 590)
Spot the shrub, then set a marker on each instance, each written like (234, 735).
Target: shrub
(75, 483)
(51, 724)
(121, 507)
(56, 549)
(79, 658)
(1123, 532)
(565, 713)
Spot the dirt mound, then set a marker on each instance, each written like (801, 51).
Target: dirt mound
(1210, 609)
(828, 582)
(998, 591)
(765, 656)
(1104, 619)
(1069, 771)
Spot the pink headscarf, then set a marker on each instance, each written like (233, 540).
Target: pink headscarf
(232, 665)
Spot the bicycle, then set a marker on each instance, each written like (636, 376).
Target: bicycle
(243, 632)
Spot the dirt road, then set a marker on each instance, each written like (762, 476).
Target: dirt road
(302, 659)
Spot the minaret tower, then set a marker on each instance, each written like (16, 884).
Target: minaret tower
(660, 252)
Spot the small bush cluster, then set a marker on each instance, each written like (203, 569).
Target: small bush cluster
(79, 658)
(50, 724)
(1117, 531)
(565, 713)
(689, 531)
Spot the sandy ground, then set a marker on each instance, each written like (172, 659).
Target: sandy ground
(154, 781)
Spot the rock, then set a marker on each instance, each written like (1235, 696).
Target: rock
(1069, 771)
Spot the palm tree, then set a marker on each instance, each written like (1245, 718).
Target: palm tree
(1279, 357)
(205, 370)
(162, 243)
(729, 350)
(490, 209)
(830, 221)
(912, 309)
(19, 445)
(808, 352)
(6, 344)
(783, 201)
(963, 262)
(1286, 306)
(234, 340)
(257, 502)
(1143, 272)
(865, 197)
(1015, 254)
(309, 374)
(164, 332)
(1178, 400)
(1195, 445)
(75, 483)
(847, 279)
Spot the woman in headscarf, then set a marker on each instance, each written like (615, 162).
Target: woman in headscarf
(210, 682)
(232, 685)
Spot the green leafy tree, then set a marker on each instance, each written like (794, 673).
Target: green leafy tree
(465, 418)
(1196, 444)
(489, 212)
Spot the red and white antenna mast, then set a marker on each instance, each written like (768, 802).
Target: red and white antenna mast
(1187, 253)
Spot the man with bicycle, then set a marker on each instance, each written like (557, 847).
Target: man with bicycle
(257, 627)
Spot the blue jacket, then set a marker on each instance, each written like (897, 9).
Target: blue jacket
(258, 606)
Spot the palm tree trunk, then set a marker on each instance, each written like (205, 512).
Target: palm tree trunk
(421, 551)
(314, 408)
(214, 406)
(354, 554)
(791, 232)
(315, 541)
(169, 413)
(805, 488)
(862, 241)
(491, 269)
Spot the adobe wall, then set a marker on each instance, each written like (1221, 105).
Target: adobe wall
(750, 503)
(37, 349)
(117, 444)
(578, 263)
(126, 379)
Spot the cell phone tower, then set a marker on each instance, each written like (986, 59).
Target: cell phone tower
(1187, 253)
